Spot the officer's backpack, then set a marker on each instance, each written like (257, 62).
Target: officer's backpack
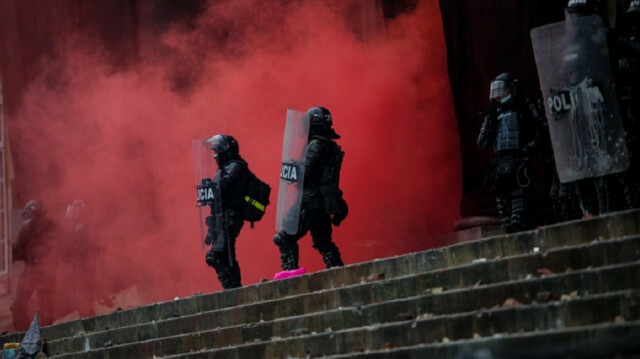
(256, 199)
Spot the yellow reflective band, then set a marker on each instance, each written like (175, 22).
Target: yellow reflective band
(254, 203)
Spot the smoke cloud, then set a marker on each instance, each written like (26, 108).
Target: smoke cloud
(120, 137)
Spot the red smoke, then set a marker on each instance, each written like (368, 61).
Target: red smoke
(121, 138)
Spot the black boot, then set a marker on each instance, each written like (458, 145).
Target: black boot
(587, 197)
(519, 220)
(331, 255)
(226, 276)
(237, 278)
(569, 202)
(289, 252)
(289, 257)
(504, 211)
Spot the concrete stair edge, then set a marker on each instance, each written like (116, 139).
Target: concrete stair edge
(473, 294)
(545, 238)
(502, 265)
(377, 336)
(613, 340)
(448, 323)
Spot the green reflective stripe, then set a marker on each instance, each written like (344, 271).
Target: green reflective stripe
(254, 203)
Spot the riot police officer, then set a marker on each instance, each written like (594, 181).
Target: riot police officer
(34, 246)
(322, 202)
(512, 128)
(627, 79)
(597, 195)
(225, 222)
(81, 242)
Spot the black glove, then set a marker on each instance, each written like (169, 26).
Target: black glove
(211, 231)
(341, 213)
(210, 258)
(211, 236)
(492, 111)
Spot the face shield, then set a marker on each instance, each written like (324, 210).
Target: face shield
(499, 90)
(31, 210)
(217, 144)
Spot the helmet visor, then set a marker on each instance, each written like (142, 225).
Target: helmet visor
(216, 143)
(499, 90)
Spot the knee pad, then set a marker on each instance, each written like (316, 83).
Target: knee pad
(280, 239)
(214, 259)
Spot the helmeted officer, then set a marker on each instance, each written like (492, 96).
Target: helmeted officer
(513, 128)
(627, 80)
(229, 181)
(322, 202)
(595, 195)
(34, 246)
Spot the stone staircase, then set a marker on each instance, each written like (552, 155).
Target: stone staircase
(563, 291)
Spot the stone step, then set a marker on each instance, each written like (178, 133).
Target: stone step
(602, 341)
(548, 317)
(482, 323)
(578, 283)
(485, 272)
(546, 238)
(477, 274)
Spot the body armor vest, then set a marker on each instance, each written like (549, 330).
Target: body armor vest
(331, 171)
(326, 169)
(508, 131)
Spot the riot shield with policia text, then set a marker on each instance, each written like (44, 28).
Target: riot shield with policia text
(208, 199)
(296, 136)
(582, 110)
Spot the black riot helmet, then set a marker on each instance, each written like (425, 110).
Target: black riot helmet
(32, 210)
(504, 87)
(225, 147)
(321, 123)
(579, 8)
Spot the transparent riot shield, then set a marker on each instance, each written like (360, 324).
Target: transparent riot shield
(207, 192)
(582, 110)
(296, 136)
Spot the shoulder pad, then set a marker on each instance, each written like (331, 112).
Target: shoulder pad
(238, 161)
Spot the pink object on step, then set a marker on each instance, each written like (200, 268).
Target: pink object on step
(289, 273)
